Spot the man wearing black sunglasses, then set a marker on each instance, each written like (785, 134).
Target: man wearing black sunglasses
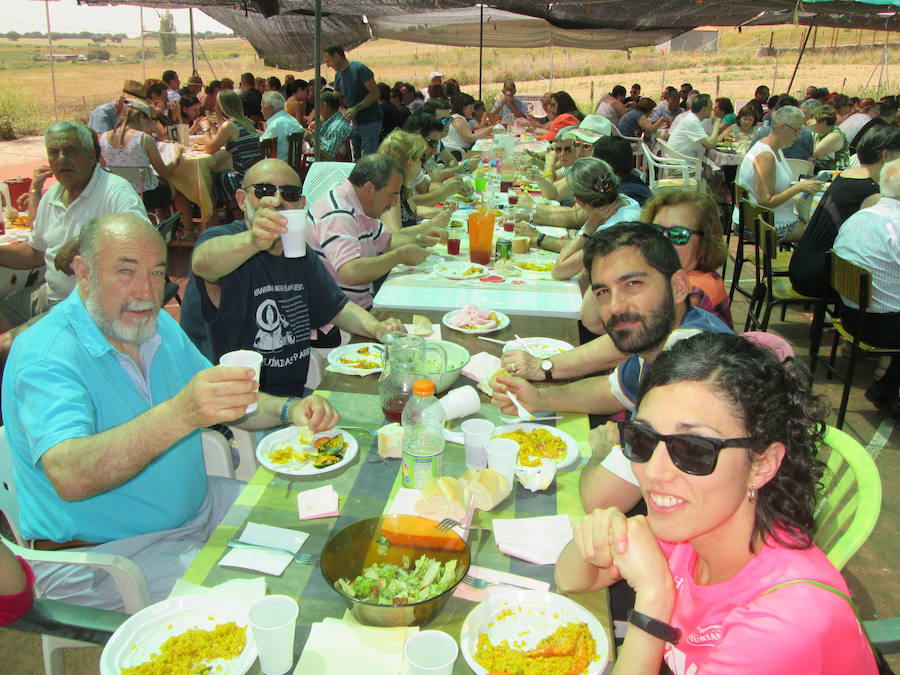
(245, 294)
(642, 298)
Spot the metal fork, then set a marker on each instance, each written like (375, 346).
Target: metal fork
(478, 584)
(302, 558)
(449, 523)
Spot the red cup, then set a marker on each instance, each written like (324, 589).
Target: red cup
(513, 198)
(505, 185)
(453, 246)
(509, 226)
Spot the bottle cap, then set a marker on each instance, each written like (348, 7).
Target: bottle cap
(423, 388)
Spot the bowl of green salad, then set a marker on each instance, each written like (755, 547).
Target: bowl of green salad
(394, 570)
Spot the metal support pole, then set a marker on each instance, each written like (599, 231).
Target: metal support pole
(480, 49)
(143, 48)
(52, 66)
(317, 45)
(800, 55)
(193, 57)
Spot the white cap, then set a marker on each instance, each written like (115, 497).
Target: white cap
(435, 74)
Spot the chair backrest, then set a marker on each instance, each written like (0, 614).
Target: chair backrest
(269, 147)
(295, 149)
(138, 176)
(669, 152)
(167, 227)
(851, 281)
(9, 504)
(322, 177)
(800, 167)
(660, 168)
(849, 500)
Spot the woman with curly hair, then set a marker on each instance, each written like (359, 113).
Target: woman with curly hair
(723, 445)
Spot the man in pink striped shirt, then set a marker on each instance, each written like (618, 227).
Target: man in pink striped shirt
(356, 247)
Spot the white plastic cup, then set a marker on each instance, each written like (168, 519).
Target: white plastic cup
(430, 652)
(461, 402)
(273, 620)
(244, 358)
(475, 434)
(294, 240)
(501, 456)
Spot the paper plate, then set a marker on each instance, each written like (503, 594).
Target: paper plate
(354, 354)
(459, 270)
(502, 322)
(538, 347)
(136, 640)
(425, 266)
(302, 468)
(532, 616)
(572, 451)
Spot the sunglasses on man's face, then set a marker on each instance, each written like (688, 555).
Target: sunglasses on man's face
(289, 193)
(695, 455)
(444, 120)
(678, 235)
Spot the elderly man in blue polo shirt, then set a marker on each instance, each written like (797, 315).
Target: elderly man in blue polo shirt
(103, 401)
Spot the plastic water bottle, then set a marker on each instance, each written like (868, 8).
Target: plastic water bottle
(423, 436)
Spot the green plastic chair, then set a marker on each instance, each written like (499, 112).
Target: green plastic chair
(849, 500)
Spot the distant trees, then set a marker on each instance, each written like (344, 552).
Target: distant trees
(167, 34)
(12, 36)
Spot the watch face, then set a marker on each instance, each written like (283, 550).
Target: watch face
(546, 364)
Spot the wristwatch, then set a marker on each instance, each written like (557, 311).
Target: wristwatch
(655, 627)
(547, 367)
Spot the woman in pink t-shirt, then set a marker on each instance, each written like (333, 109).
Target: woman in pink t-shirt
(724, 448)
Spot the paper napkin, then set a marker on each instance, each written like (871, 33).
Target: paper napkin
(480, 366)
(261, 560)
(404, 502)
(435, 331)
(537, 540)
(242, 591)
(337, 647)
(317, 503)
(468, 593)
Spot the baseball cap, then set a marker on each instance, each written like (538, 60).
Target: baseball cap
(435, 74)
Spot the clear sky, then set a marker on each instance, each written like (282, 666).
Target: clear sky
(67, 16)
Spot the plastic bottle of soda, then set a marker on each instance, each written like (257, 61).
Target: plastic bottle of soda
(423, 436)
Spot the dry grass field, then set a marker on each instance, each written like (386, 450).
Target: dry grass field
(26, 104)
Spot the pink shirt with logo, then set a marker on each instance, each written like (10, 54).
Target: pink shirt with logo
(730, 627)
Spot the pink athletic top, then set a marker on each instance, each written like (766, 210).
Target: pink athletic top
(13, 607)
(731, 628)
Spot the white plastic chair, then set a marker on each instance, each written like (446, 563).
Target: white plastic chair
(138, 176)
(324, 176)
(127, 576)
(800, 167)
(660, 170)
(666, 151)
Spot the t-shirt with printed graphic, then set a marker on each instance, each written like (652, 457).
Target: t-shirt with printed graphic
(270, 304)
(735, 627)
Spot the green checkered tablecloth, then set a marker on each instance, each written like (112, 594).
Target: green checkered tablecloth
(366, 487)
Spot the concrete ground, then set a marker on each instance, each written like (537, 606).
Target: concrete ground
(871, 574)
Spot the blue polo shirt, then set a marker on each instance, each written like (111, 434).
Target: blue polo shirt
(64, 380)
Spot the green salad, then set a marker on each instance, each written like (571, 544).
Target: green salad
(389, 584)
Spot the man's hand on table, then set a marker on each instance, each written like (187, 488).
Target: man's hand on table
(441, 219)
(524, 229)
(459, 186)
(215, 396)
(314, 412)
(527, 394)
(433, 235)
(520, 363)
(386, 326)
(411, 254)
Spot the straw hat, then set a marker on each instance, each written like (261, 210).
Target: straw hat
(134, 89)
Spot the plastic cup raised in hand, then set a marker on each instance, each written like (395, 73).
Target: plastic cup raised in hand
(273, 620)
(244, 358)
(476, 433)
(294, 240)
(501, 456)
(430, 652)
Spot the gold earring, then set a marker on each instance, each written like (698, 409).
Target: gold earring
(752, 494)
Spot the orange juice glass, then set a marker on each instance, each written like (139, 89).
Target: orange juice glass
(481, 236)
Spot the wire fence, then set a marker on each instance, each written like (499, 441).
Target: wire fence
(25, 116)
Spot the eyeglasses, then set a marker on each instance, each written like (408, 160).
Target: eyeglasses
(444, 120)
(289, 193)
(695, 455)
(433, 142)
(585, 145)
(794, 129)
(565, 148)
(678, 235)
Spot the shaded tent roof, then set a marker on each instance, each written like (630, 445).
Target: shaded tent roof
(281, 30)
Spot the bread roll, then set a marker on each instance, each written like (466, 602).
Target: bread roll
(485, 487)
(521, 244)
(390, 441)
(442, 498)
(487, 384)
(421, 325)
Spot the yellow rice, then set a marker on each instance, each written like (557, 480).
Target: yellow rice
(504, 658)
(187, 653)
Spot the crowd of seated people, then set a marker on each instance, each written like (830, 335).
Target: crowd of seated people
(647, 259)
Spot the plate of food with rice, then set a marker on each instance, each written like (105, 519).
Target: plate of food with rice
(458, 270)
(533, 633)
(363, 357)
(187, 634)
(539, 443)
(296, 451)
(475, 320)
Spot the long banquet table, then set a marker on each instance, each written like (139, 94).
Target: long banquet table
(368, 484)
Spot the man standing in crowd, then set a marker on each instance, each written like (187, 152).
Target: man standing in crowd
(357, 83)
